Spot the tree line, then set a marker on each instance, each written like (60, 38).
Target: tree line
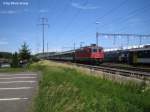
(20, 58)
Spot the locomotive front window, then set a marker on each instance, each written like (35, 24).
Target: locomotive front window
(89, 50)
(94, 50)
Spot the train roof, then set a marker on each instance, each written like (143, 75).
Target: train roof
(130, 50)
(72, 51)
(140, 49)
(61, 53)
(91, 46)
(67, 52)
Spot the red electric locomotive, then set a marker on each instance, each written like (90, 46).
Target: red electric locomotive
(88, 54)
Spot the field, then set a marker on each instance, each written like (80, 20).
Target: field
(66, 89)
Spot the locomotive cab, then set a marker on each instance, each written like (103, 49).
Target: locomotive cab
(97, 54)
(89, 54)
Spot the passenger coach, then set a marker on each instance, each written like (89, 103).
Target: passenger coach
(131, 56)
(89, 54)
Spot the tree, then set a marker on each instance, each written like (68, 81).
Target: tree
(24, 53)
(5, 55)
(15, 60)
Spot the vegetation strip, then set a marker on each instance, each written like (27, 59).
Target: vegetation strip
(64, 88)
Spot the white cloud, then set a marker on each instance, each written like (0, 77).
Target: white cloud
(8, 12)
(84, 7)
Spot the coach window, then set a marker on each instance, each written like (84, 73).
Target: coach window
(81, 51)
(146, 54)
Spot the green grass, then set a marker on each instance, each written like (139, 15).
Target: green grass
(66, 89)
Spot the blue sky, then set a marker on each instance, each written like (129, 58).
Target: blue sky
(71, 21)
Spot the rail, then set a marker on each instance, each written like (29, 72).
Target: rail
(127, 73)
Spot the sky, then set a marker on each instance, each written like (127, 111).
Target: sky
(72, 21)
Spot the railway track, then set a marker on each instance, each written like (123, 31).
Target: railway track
(135, 73)
(112, 65)
(119, 71)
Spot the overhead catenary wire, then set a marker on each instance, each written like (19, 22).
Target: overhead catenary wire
(124, 19)
(118, 6)
(111, 11)
(74, 17)
(114, 35)
(60, 14)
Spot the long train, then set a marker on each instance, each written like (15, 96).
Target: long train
(130, 56)
(92, 54)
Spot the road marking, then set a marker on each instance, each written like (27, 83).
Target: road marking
(16, 88)
(20, 78)
(13, 99)
(20, 75)
(9, 82)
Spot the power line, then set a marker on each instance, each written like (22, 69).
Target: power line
(125, 18)
(44, 23)
(110, 11)
(124, 35)
(113, 9)
(119, 34)
(59, 14)
(75, 16)
(130, 16)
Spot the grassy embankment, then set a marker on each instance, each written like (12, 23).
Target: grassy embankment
(66, 89)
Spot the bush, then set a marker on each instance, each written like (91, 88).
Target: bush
(15, 60)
